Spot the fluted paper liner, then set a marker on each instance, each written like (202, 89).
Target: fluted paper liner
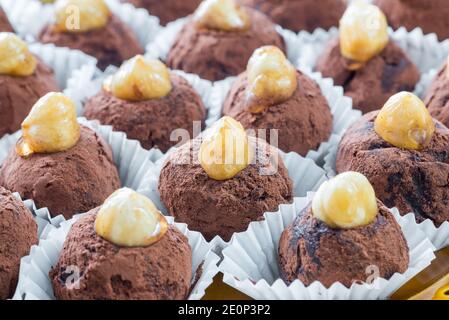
(439, 236)
(35, 284)
(424, 50)
(87, 82)
(304, 173)
(63, 61)
(163, 42)
(29, 17)
(40, 215)
(131, 160)
(250, 262)
(424, 83)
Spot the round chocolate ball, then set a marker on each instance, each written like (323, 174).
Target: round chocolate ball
(150, 121)
(411, 180)
(111, 45)
(300, 15)
(19, 94)
(303, 121)
(161, 271)
(68, 182)
(223, 207)
(376, 81)
(18, 232)
(167, 10)
(309, 250)
(215, 54)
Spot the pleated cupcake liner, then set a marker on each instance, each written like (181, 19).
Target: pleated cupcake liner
(161, 45)
(304, 173)
(423, 49)
(29, 17)
(35, 284)
(64, 62)
(87, 82)
(250, 262)
(41, 216)
(439, 236)
(343, 115)
(424, 83)
(131, 160)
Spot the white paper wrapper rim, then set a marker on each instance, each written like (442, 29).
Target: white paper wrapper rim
(250, 262)
(63, 61)
(35, 284)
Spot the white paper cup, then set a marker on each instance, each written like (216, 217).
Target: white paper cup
(304, 173)
(131, 160)
(330, 159)
(425, 82)
(63, 61)
(41, 216)
(439, 236)
(424, 50)
(250, 262)
(29, 17)
(86, 82)
(163, 42)
(35, 284)
(343, 115)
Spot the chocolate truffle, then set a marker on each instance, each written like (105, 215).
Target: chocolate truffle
(150, 121)
(5, 26)
(160, 271)
(309, 250)
(300, 15)
(437, 97)
(18, 95)
(167, 10)
(411, 180)
(67, 182)
(303, 121)
(18, 232)
(387, 73)
(431, 16)
(222, 207)
(215, 54)
(111, 44)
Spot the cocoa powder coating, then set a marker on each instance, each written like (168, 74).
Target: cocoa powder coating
(215, 55)
(18, 232)
(412, 180)
(161, 271)
(222, 207)
(151, 121)
(19, 94)
(111, 45)
(303, 121)
(371, 86)
(309, 250)
(68, 182)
